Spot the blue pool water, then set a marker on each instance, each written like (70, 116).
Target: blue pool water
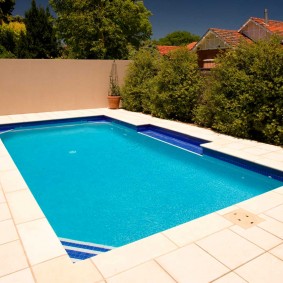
(107, 184)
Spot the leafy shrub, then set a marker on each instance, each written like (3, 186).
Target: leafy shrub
(8, 40)
(246, 95)
(140, 79)
(203, 113)
(178, 86)
(5, 54)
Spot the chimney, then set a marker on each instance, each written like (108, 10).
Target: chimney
(266, 16)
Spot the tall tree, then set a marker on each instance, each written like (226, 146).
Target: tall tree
(102, 29)
(178, 38)
(39, 40)
(6, 8)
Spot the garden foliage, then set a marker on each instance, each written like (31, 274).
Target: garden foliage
(140, 80)
(178, 38)
(164, 86)
(246, 94)
(242, 97)
(39, 40)
(178, 86)
(101, 29)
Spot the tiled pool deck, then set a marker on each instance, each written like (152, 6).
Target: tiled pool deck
(209, 249)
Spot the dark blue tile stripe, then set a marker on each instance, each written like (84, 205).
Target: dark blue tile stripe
(79, 255)
(84, 246)
(48, 123)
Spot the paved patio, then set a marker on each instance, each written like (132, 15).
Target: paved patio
(209, 249)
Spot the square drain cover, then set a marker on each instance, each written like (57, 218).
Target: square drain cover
(243, 218)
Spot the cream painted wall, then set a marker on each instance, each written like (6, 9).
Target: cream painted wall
(30, 86)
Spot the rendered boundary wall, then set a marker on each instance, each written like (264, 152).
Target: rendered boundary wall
(32, 86)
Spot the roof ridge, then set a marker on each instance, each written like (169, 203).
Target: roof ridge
(223, 29)
(270, 20)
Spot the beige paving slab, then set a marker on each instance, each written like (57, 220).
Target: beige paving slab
(255, 150)
(12, 258)
(2, 197)
(238, 145)
(4, 212)
(197, 229)
(276, 213)
(8, 232)
(23, 206)
(270, 163)
(6, 163)
(17, 118)
(230, 278)
(145, 273)
(258, 236)
(39, 241)
(262, 203)
(229, 248)
(5, 120)
(3, 150)
(269, 147)
(62, 270)
(263, 269)
(12, 181)
(278, 251)
(192, 264)
(277, 156)
(227, 210)
(272, 226)
(279, 190)
(23, 276)
(126, 257)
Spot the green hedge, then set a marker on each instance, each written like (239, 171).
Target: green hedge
(246, 94)
(242, 97)
(178, 86)
(139, 81)
(164, 86)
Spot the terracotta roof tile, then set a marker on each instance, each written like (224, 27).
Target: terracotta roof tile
(272, 26)
(191, 45)
(231, 37)
(163, 50)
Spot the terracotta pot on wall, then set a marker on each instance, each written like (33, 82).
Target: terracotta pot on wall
(113, 101)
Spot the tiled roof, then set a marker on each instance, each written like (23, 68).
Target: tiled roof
(272, 26)
(231, 37)
(163, 50)
(191, 45)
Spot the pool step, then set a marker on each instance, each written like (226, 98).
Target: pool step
(78, 250)
(177, 139)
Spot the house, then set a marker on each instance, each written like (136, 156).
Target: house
(219, 40)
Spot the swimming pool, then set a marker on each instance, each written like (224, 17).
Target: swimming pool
(91, 194)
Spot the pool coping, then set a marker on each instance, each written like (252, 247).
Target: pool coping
(27, 228)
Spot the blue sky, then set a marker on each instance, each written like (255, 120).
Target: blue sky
(196, 16)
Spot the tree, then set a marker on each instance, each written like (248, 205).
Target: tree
(178, 38)
(101, 29)
(7, 41)
(39, 40)
(6, 8)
